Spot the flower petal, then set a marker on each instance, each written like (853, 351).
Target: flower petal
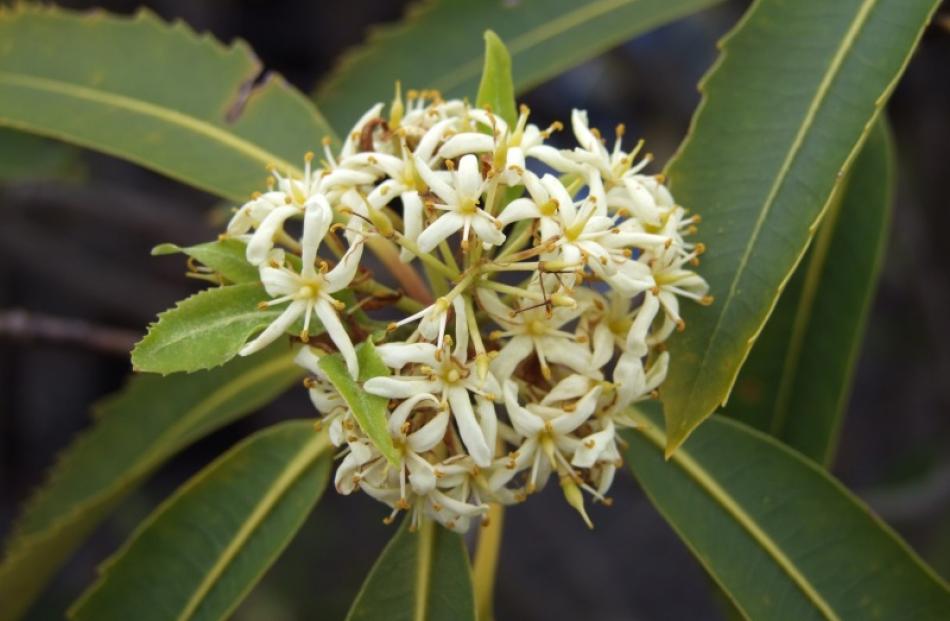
(447, 224)
(468, 426)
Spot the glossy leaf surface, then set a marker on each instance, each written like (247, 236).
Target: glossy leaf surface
(420, 576)
(785, 109)
(425, 50)
(173, 101)
(139, 428)
(202, 550)
(798, 376)
(781, 537)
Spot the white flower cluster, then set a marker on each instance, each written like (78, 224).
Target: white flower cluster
(554, 292)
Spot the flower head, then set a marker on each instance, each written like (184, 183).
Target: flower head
(553, 295)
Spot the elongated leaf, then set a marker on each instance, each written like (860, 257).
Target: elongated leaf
(796, 381)
(420, 576)
(205, 330)
(496, 89)
(368, 410)
(224, 256)
(135, 431)
(200, 553)
(779, 535)
(181, 104)
(426, 51)
(784, 111)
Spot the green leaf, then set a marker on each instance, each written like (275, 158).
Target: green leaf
(178, 103)
(369, 410)
(139, 428)
(426, 50)
(781, 537)
(497, 89)
(205, 330)
(798, 376)
(23, 156)
(203, 549)
(785, 109)
(420, 576)
(224, 256)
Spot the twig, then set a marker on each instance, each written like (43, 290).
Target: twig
(22, 325)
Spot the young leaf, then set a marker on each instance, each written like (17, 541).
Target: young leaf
(797, 379)
(426, 51)
(781, 537)
(368, 410)
(203, 549)
(224, 256)
(213, 127)
(138, 429)
(205, 330)
(784, 111)
(420, 576)
(496, 89)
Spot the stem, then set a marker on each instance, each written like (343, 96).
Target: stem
(516, 291)
(516, 241)
(448, 257)
(409, 278)
(486, 562)
(374, 287)
(428, 259)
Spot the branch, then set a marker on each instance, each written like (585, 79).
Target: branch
(23, 326)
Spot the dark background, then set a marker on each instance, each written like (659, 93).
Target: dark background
(79, 250)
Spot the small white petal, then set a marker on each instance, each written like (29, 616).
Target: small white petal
(399, 387)
(398, 355)
(447, 224)
(263, 239)
(337, 333)
(468, 426)
(466, 142)
(277, 328)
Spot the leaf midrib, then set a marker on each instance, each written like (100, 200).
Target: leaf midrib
(144, 108)
(817, 101)
(708, 483)
(423, 568)
(293, 470)
(804, 312)
(532, 38)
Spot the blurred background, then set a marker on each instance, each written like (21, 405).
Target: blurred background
(74, 259)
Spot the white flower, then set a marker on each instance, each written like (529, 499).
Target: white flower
(323, 394)
(309, 292)
(460, 200)
(534, 329)
(455, 377)
(549, 441)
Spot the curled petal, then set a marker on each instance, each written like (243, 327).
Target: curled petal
(430, 434)
(468, 426)
(466, 142)
(399, 387)
(526, 423)
(398, 355)
(263, 238)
